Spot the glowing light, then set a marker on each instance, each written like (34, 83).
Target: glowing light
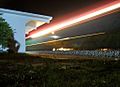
(54, 49)
(52, 32)
(64, 49)
(55, 37)
(79, 19)
(104, 49)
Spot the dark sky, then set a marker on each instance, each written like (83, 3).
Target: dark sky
(58, 8)
(55, 8)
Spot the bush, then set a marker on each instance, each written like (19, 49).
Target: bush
(60, 73)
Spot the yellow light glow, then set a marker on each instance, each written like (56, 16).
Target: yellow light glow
(64, 49)
(52, 32)
(69, 23)
(105, 49)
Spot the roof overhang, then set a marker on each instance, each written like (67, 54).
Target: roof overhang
(37, 17)
(32, 20)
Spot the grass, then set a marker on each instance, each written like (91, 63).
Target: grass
(19, 71)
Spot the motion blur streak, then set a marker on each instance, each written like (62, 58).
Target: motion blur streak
(78, 19)
(70, 38)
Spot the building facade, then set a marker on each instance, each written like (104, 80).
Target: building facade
(22, 23)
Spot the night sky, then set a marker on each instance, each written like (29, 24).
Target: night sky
(54, 8)
(59, 9)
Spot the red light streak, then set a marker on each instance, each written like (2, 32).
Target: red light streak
(78, 19)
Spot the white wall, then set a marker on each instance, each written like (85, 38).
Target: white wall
(17, 23)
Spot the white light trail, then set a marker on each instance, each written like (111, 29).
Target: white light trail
(69, 38)
(69, 23)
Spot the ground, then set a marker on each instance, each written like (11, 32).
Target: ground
(23, 70)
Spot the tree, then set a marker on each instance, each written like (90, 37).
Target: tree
(7, 37)
(5, 33)
(13, 45)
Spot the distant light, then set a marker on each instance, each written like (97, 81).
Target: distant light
(104, 49)
(64, 49)
(52, 32)
(68, 23)
(55, 37)
(54, 49)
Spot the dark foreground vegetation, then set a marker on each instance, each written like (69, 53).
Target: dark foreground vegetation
(22, 70)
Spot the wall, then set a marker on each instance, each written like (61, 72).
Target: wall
(18, 25)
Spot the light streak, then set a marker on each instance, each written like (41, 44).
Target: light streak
(68, 23)
(68, 38)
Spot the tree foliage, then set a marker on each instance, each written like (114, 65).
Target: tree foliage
(6, 33)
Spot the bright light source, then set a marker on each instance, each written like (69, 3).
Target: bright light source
(54, 49)
(104, 49)
(64, 49)
(52, 32)
(55, 37)
(68, 23)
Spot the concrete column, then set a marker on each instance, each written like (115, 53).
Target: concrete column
(18, 25)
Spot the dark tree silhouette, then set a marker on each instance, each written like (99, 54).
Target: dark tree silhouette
(7, 37)
(13, 45)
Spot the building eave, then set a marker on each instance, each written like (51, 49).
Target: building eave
(42, 18)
